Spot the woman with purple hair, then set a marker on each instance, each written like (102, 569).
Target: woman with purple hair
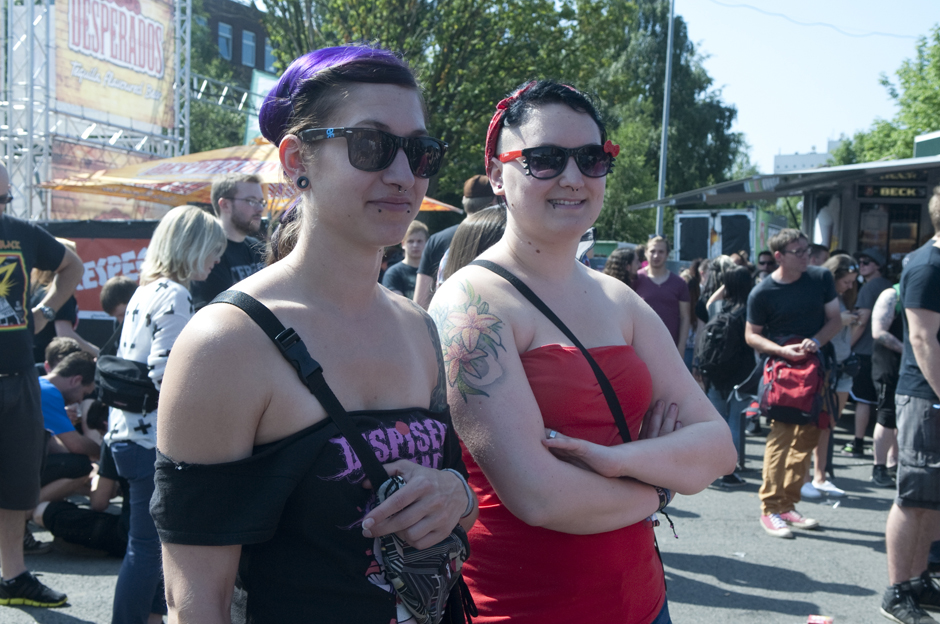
(253, 475)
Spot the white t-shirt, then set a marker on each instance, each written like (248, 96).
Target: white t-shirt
(155, 317)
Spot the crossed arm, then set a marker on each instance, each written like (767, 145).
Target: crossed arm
(499, 420)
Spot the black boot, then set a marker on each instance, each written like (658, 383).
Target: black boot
(926, 591)
(900, 605)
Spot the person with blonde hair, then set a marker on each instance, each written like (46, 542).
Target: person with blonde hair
(187, 243)
(400, 277)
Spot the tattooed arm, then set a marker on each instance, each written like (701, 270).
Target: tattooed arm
(499, 421)
(882, 316)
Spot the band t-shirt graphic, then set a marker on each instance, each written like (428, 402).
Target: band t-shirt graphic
(23, 246)
(237, 262)
(298, 504)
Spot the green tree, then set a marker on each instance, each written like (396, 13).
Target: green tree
(210, 126)
(917, 96)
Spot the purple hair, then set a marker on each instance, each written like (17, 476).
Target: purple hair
(309, 78)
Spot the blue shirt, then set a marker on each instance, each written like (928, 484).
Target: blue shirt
(54, 417)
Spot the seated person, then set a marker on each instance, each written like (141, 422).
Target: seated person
(69, 453)
(56, 350)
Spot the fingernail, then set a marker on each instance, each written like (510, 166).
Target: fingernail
(366, 532)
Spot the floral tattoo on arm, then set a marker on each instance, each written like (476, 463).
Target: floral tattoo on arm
(470, 341)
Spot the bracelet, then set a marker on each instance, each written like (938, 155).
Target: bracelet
(665, 496)
(818, 344)
(466, 488)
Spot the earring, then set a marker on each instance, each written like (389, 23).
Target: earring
(303, 182)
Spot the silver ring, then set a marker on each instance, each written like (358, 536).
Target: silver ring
(551, 434)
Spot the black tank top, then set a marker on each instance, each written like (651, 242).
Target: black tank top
(297, 505)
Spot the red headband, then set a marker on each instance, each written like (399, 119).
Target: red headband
(496, 124)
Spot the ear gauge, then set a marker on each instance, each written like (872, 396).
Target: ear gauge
(303, 182)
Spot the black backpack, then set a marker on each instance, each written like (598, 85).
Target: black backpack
(719, 343)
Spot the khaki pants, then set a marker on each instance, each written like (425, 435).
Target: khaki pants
(786, 460)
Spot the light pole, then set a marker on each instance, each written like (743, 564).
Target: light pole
(665, 136)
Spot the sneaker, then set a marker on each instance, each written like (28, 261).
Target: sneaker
(899, 605)
(853, 450)
(797, 520)
(26, 590)
(926, 591)
(753, 426)
(809, 491)
(881, 477)
(893, 471)
(774, 525)
(732, 480)
(32, 546)
(827, 487)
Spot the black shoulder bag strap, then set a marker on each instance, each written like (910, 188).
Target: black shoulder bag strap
(311, 374)
(110, 342)
(612, 402)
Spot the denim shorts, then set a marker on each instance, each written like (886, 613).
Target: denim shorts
(918, 453)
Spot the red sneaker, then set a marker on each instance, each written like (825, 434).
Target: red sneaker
(795, 519)
(776, 526)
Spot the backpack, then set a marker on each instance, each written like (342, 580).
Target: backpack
(719, 343)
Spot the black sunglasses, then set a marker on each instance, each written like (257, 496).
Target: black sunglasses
(374, 150)
(548, 161)
(7, 199)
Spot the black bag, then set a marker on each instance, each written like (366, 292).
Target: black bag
(428, 581)
(719, 343)
(125, 384)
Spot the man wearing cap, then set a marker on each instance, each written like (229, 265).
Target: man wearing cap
(477, 195)
(870, 265)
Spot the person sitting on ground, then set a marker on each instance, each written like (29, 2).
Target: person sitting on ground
(56, 350)
(400, 277)
(69, 453)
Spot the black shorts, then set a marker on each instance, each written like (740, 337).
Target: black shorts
(886, 411)
(22, 441)
(918, 453)
(64, 466)
(863, 388)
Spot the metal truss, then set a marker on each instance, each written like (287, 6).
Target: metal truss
(225, 95)
(31, 121)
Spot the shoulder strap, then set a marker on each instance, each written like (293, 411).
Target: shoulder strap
(612, 402)
(310, 372)
(110, 342)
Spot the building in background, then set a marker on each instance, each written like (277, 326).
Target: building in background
(240, 37)
(785, 163)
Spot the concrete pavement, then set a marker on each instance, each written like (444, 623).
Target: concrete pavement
(723, 567)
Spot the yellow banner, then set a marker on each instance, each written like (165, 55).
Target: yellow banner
(117, 56)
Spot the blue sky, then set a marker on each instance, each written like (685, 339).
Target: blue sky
(797, 86)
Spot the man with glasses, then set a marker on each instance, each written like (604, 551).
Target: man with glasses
(796, 305)
(23, 247)
(870, 264)
(239, 202)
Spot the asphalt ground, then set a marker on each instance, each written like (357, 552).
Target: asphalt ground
(723, 567)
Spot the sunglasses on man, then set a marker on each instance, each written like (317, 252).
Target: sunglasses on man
(369, 149)
(549, 161)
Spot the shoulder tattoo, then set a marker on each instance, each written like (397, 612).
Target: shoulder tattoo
(470, 340)
(439, 393)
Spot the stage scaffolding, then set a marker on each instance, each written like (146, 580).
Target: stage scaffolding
(31, 120)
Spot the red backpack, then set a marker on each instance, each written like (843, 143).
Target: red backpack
(789, 391)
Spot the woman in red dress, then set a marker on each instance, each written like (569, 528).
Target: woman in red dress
(560, 539)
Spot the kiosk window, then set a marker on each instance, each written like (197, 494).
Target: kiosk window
(892, 228)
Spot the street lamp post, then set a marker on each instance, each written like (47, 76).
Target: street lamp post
(665, 136)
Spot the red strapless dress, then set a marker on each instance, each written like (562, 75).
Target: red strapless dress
(523, 574)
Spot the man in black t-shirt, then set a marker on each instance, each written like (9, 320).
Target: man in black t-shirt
(238, 200)
(477, 195)
(914, 519)
(795, 301)
(24, 246)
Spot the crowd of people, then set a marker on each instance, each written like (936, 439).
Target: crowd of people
(470, 368)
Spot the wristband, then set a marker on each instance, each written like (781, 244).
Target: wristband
(665, 496)
(469, 492)
(818, 344)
